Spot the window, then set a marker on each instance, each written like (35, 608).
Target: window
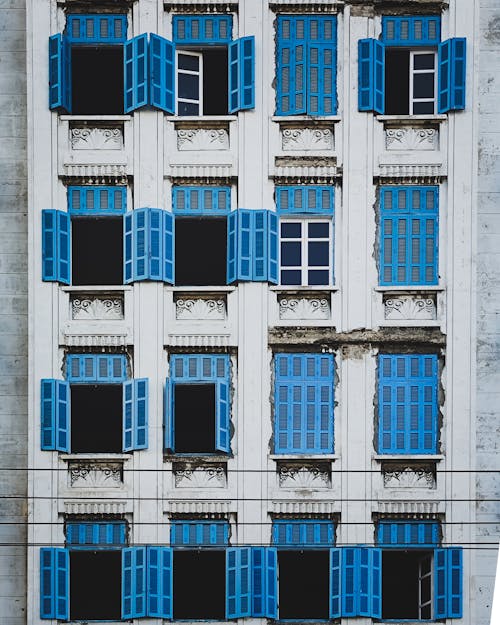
(407, 403)
(303, 403)
(96, 409)
(410, 71)
(409, 235)
(202, 82)
(306, 65)
(198, 404)
(420, 581)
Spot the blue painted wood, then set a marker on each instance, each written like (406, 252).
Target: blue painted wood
(448, 583)
(54, 583)
(407, 403)
(199, 367)
(97, 200)
(335, 583)
(322, 79)
(371, 75)
(199, 533)
(202, 29)
(134, 582)
(96, 368)
(128, 252)
(350, 581)
(160, 582)
(440, 583)
(136, 73)
(54, 415)
(303, 533)
(59, 73)
(245, 222)
(451, 75)
(409, 235)
(417, 30)
(201, 200)
(99, 533)
(56, 241)
(168, 247)
(408, 533)
(272, 259)
(168, 417)
(232, 247)
(162, 73)
(271, 586)
(238, 582)
(241, 75)
(305, 199)
(96, 29)
(135, 414)
(222, 410)
(303, 403)
(291, 65)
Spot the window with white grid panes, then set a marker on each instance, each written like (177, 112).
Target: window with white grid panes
(423, 82)
(306, 252)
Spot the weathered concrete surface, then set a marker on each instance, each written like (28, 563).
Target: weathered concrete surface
(13, 312)
(488, 306)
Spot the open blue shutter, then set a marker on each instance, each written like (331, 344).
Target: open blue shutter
(62, 415)
(222, 416)
(54, 583)
(440, 589)
(160, 582)
(451, 76)
(241, 78)
(272, 258)
(271, 586)
(369, 582)
(168, 416)
(155, 240)
(244, 264)
(55, 411)
(128, 415)
(135, 414)
(264, 582)
(128, 241)
(349, 581)
(259, 245)
(59, 73)
(371, 75)
(135, 62)
(56, 246)
(162, 73)
(232, 247)
(238, 582)
(168, 247)
(321, 79)
(140, 243)
(448, 582)
(335, 582)
(134, 576)
(291, 60)
(63, 246)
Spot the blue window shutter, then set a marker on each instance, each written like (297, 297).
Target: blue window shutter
(232, 247)
(222, 409)
(160, 582)
(440, 584)
(291, 64)
(135, 414)
(350, 583)
(259, 238)
(303, 533)
(238, 582)
(199, 533)
(264, 582)
(56, 242)
(448, 583)
(272, 259)
(202, 29)
(62, 415)
(241, 74)
(136, 78)
(403, 533)
(54, 583)
(168, 248)
(370, 582)
(371, 75)
(451, 74)
(411, 31)
(335, 583)
(245, 222)
(271, 579)
(96, 368)
(168, 412)
(99, 533)
(59, 73)
(321, 79)
(162, 73)
(100, 29)
(201, 200)
(134, 588)
(128, 241)
(97, 200)
(55, 411)
(63, 246)
(140, 243)
(155, 243)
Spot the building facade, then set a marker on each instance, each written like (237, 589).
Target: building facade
(262, 319)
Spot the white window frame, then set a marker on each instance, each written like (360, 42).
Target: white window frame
(199, 73)
(425, 570)
(304, 267)
(414, 72)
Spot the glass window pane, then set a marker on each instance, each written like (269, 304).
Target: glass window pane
(291, 230)
(423, 108)
(186, 61)
(317, 230)
(423, 61)
(189, 86)
(291, 254)
(188, 108)
(318, 254)
(316, 277)
(423, 85)
(291, 277)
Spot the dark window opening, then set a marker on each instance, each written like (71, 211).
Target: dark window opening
(304, 584)
(95, 585)
(407, 585)
(397, 83)
(194, 420)
(96, 418)
(199, 585)
(215, 82)
(202, 82)
(200, 252)
(97, 251)
(97, 80)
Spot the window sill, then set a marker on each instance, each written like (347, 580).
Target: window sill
(104, 457)
(303, 289)
(95, 118)
(408, 457)
(196, 458)
(404, 120)
(302, 457)
(201, 119)
(413, 288)
(93, 288)
(202, 289)
(306, 118)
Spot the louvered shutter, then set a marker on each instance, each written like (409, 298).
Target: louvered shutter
(335, 582)
(135, 414)
(222, 433)
(56, 243)
(272, 258)
(259, 247)
(168, 248)
(136, 77)
(162, 73)
(168, 412)
(371, 75)
(160, 582)
(241, 74)
(128, 241)
(155, 236)
(59, 73)
(448, 582)
(451, 74)
(134, 588)
(55, 415)
(369, 582)
(291, 59)
(271, 579)
(244, 255)
(264, 582)
(54, 583)
(238, 582)
(321, 79)
(349, 581)
(232, 247)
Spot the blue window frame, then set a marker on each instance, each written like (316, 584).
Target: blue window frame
(306, 65)
(96, 29)
(199, 533)
(208, 200)
(202, 29)
(414, 533)
(408, 403)
(409, 218)
(97, 200)
(103, 534)
(421, 30)
(96, 368)
(305, 199)
(303, 533)
(303, 403)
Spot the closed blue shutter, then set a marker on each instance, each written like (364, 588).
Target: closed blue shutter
(55, 411)
(321, 79)
(97, 200)
(371, 75)
(202, 29)
(451, 74)
(421, 30)
(56, 243)
(162, 73)
(303, 533)
(155, 243)
(135, 414)
(103, 29)
(241, 74)
(134, 588)
(244, 244)
(160, 582)
(100, 533)
(168, 248)
(264, 582)
(140, 242)
(402, 533)
(335, 583)
(440, 585)
(201, 200)
(59, 73)
(238, 582)
(349, 581)
(272, 259)
(448, 583)
(305, 199)
(271, 586)
(54, 583)
(232, 247)
(291, 70)
(168, 416)
(96, 368)
(199, 533)
(222, 416)
(136, 77)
